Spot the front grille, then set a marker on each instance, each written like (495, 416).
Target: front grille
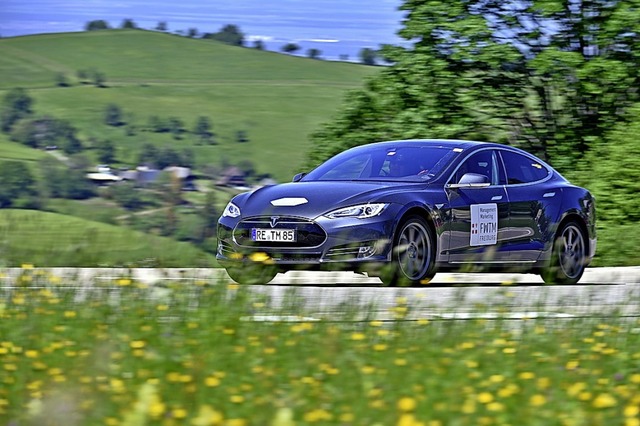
(309, 233)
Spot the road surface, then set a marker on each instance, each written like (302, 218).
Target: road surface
(453, 296)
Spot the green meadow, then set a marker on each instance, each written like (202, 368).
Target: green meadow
(45, 238)
(276, 99)
(209, 352)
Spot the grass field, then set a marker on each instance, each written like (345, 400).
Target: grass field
(278, 100)
(192, 353)
(51, 239)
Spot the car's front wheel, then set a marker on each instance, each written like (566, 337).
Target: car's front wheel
(252, 274)
(413, 254)
(569, 256)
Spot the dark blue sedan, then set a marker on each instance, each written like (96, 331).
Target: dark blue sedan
(404, 210)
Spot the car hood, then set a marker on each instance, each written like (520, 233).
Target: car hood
(312, 199)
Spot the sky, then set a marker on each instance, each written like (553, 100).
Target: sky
(361, 23)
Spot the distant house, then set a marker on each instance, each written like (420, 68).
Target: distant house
(232, 176)
(103, 178)
(185, 175)
(144, 175)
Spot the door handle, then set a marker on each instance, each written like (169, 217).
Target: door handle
(496, 198)
(549, 194)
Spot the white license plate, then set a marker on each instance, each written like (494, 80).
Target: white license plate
(277, 235)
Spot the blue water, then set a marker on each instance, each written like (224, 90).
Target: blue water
(335, 27)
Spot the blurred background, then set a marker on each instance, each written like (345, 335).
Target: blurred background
(126, 127)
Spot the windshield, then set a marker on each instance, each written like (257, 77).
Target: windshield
(418, 163)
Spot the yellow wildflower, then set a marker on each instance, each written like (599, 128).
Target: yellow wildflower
(407, 404)
(631, 410)
(485, 397)
(604, 400)
(537, 400)
(207, 416)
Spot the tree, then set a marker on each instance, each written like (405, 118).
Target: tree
(368, 56)
(128, 24)
(83, 76)
(241, 136)
(176, 127)
(615, 174)
(106, 151)
(290, 48)
(30, 133)
(148, 154)
(16, 105)
(209, 214)
(46, 131)
(113, 115)
(61, 181)
(127, 196)
(203, 129)
(166, 157)
(162, 26)
(66, 137)
(158, 125)
(229, 34)
(16, 180)
(98, 78)
(97, 25)
(550, 76)
(193, 32)
(61, 80)
(314, 53)
(259, 44)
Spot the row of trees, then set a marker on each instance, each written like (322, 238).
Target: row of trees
(202, 128)
(231, 34)
(555, 77)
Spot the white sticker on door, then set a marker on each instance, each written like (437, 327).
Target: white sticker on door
(484, 224)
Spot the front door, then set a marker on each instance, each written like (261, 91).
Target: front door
(479, 216)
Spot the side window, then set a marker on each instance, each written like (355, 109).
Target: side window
(522, 169)
(482, 163)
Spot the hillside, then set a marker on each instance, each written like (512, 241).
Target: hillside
(274, 99)
(50, 239)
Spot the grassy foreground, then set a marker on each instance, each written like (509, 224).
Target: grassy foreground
(192, 353)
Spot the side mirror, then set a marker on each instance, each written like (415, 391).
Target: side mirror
(471, 180)
(298, 177)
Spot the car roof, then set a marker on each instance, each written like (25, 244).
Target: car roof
(445, 143)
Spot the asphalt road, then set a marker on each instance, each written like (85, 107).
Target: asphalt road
(450, 296)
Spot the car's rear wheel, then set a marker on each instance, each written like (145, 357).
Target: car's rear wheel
(413, 254)
(252, 274)
(569, 256)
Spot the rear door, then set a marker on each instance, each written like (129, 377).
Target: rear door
(534, 205)
(478, 217)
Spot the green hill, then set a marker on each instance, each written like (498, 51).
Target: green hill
(50, 239)
(275, 99)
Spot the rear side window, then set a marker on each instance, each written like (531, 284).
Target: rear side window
(522, 169)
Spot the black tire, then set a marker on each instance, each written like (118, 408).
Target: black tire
(569, 256)
(252, 274)
(413, 254)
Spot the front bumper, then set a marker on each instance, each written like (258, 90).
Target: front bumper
(321, 241)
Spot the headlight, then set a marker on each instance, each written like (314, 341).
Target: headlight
(231, 210)
(362, 211)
